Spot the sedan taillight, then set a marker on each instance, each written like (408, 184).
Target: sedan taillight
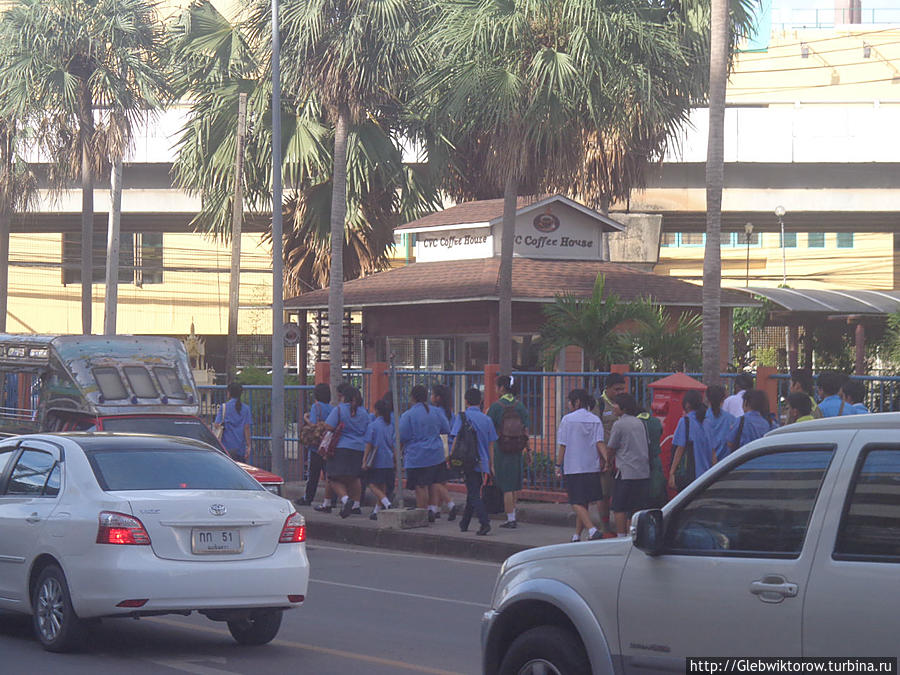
(294, 530)
(118, 528)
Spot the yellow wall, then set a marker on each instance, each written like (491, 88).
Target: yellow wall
(868, 265)
(40, 303)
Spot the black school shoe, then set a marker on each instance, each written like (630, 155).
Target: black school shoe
(483, 530)
(509, 525)
(302, 502)
(346, 509)
(373, 516)
(431, 517)
(321, 508)
(464, 525)
(357, 511)
(451, 516)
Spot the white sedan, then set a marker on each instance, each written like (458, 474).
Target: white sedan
(107, 525)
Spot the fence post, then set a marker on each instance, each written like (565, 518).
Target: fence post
(768, 384)
(491, 372)
(378, 385)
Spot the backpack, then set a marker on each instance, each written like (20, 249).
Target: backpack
(512, 430)
(464, 454)
(686, 471)
(653, 428)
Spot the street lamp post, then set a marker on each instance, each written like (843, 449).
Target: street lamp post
(277, 258)
(748, 232)
(779, 213)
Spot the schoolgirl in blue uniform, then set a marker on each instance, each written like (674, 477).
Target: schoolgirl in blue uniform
(345, 467)
(442, 397)
(379, 455)
(690, 429)
(423, 450)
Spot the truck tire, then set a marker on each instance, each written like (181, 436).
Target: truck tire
(546, 650)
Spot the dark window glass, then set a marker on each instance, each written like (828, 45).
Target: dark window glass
(182, 469)
(170, 382)
(30, 473)
(148, 258)
(669, 239)
(845, 240)
(815, 240)
(5, 455)
(110, 384)
(141, 382)
(761, 506)
(870, 527)
(71, 257)
(51, 489)
(790, 240)
(183, 428)
(692, 239)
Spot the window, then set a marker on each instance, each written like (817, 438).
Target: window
(51, 489)
(167, 426)
(669, 239)
(760, 507)
(790, 240)
(141, 382)
(845, 240)
(692, 239)
(140, 258)
(31, 473)
(870, 527)
(815, 240)
(739, 239)
(169, 382)
(6, 454)
(110, 384)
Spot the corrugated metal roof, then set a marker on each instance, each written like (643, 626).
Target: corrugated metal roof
(818, 301)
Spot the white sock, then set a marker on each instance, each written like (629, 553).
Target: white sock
(621, 534)
(386, 503)
(344, 499)
(377, 507)
(326, 502)
(450, 504)
(355, 505)
(511, 516)
(432, 508)
(575, 537)
(592, 531)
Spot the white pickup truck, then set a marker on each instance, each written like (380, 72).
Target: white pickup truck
(789, 547)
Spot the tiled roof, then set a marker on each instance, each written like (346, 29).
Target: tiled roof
(533, 280)
(483, 211)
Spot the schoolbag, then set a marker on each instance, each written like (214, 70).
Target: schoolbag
(512, 430)
(464, 454)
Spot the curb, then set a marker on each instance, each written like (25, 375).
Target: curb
(482, 548)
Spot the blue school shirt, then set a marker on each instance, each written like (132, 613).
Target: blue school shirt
(420, 433)
(831, 406)
(858, 409)
(233, 426)
(720, 430)
(755, 426)
(485, 432)
(702, 446)
(353, 436)
(381, 436)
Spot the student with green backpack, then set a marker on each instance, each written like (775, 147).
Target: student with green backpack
(510, 419)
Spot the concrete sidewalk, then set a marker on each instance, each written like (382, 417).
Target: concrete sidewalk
(539, 524)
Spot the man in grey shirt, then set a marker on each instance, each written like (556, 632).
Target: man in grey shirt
(629, 441)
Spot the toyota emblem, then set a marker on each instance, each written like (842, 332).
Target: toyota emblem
(218, 509)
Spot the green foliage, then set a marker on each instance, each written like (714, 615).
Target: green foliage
(891, 341)
(251, 375)
(744, 320)
(665, 343)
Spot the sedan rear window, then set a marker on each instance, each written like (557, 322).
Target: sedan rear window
(168, 426)
(166, 469)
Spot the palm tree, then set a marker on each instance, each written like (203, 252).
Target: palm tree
(598, 324)
(80, 71)
(665, 343)
(527, 80)
(18, 188)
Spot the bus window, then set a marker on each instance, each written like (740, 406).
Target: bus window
(110, 384)
(170, 382)
(141, 382)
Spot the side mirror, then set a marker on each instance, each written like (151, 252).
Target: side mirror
(647, 531)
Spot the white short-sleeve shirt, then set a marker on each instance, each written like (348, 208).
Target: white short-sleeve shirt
(580, 431)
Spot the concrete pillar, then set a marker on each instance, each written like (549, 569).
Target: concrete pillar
(860, 336)
(491, 372)
(379, 384)
(768, 384)
(323, 372)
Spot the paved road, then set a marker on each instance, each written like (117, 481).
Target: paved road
(367, 611)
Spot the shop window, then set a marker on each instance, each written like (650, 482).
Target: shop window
(815, 240)
(790, 240)
(845, 240)
(140, 258)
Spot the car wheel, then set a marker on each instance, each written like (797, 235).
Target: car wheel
(261, 628)
(545, 650)
(56, 625)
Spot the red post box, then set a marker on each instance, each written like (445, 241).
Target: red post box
(666, 405)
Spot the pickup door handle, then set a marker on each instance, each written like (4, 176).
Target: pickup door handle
(33, 518)
(773, 588)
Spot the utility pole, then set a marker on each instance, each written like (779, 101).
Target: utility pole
(237, 219)
(277, 258)
(113, 240)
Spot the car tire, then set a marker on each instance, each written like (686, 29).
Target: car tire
(56, 625)
(547, 650)
(261, 628)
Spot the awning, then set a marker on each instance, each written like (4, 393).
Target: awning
(831, 302)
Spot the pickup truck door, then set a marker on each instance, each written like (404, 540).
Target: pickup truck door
(732, 578)
(853, 595)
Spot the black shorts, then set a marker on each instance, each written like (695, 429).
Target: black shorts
(631, 494)
(424, 476)
(583, 488)
(380, 476)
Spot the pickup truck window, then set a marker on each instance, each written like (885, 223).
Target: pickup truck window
(870, 526)
(761, 507)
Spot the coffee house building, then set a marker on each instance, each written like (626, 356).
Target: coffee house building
(440, 312)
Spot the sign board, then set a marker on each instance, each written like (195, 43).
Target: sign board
(454, 245)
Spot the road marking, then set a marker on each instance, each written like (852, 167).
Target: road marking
(417, 556)
(193, 666)
(403, 593)
(316, 648)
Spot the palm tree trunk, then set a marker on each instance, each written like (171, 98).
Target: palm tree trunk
(237, 217)
(507, 234)
(111, 299)
(338, 217)
(5, 219)
(715, 178)
(87, 212)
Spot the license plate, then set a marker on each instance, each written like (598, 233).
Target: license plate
(205, 541)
